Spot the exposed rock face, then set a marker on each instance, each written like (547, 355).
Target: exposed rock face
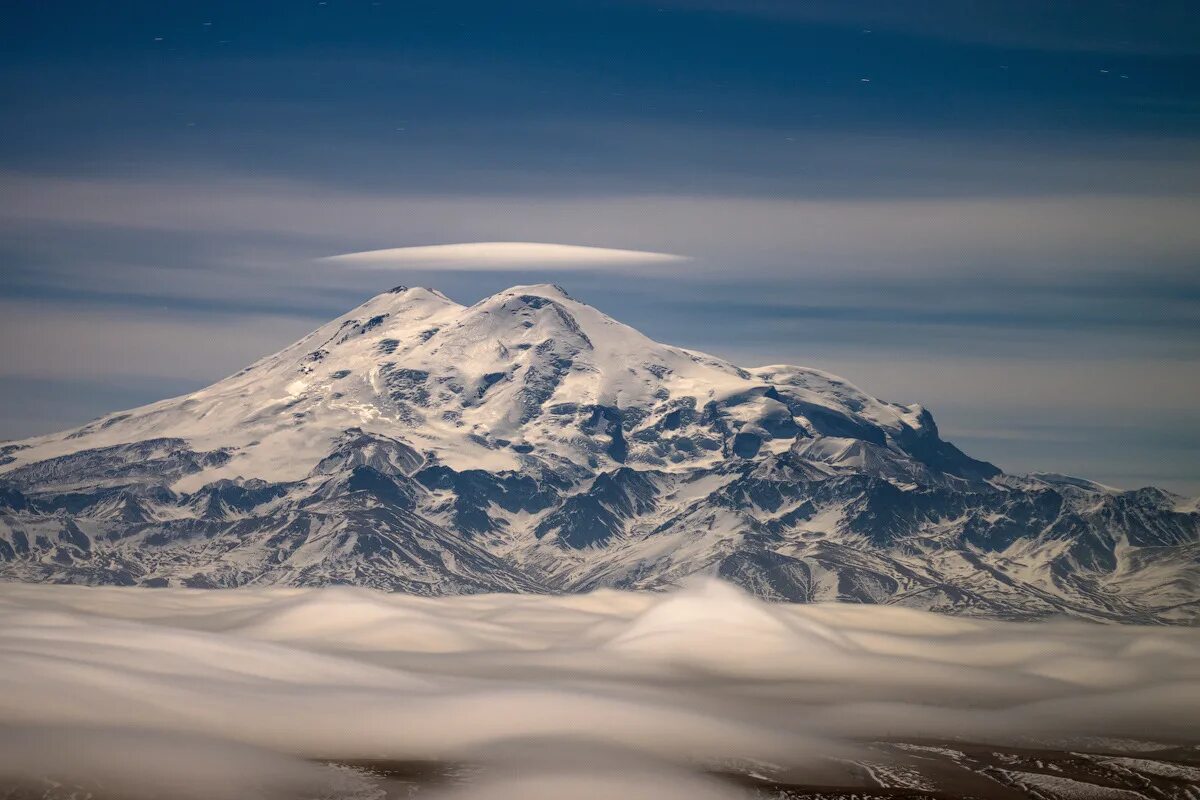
(531, 443)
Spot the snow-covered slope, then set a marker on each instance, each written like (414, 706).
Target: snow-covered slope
(527, 372)
(530, 442)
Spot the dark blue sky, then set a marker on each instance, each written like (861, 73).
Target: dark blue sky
(986, 207)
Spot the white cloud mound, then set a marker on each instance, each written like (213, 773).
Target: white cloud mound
(702, 676)
(485, 256)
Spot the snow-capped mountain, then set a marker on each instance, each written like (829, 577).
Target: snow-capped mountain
(531, 443)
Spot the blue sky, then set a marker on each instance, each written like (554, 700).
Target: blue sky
(989, 208)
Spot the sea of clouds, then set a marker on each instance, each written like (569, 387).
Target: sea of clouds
(245, 693)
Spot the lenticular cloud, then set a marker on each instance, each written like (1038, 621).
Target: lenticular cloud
(220, 693)
(484, 256)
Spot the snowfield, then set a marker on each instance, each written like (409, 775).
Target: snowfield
(701, 692)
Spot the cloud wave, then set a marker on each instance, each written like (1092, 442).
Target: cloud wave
(552, 692)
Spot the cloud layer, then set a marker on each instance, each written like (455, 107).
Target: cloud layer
(601, 693)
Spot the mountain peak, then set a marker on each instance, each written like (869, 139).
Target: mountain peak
(527, 374)
(548, 290)
(415, 293)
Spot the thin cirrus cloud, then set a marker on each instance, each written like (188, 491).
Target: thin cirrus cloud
(504, 256)
(1168, 26)
(1080, 235)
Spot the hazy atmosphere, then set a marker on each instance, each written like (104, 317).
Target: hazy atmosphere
(988, 209)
